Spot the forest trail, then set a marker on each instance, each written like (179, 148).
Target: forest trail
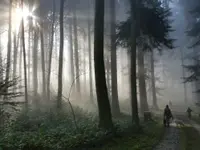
(171, 139)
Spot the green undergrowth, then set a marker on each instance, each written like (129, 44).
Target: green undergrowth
(146, 139)
(47, 130)
(190, 138)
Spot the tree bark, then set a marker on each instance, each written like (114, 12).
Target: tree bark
(60, 67)
(9, 46)
(153, 84)
(142, 82)
(1, 60)
(105, 118)
(183, 74)
(20, 63)
(71, 50)
(24, 56)
(15, 57)
(42, 56)
(35, 65)
(90, 56)
(51, 50)
(133, 80)
(108, 77)
(115, 100)
(30, 3)
(76, 50)
(43, 63)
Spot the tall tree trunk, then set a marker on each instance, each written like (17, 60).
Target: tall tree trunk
(84, 64)
(20, 63)
(153, 84)
(30, 5)
(133, 80)
(29, 58)
(60, 67)
(105, 118)
(90, 55)
(108, 77)
(9, 46)
(43, 62)
(24, 56)
(15, 57)
(76, 50)
(35, 65)
(1, 60)
(71, 50)
(142, 82)
(183, 74)
(51, 50)
(115, 100)
(42, 54)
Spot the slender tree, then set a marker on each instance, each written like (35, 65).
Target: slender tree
(24, 56)
(76, 50)
(115, 100)
(90, 52)
(20, 61)
(9, 46)
(51, 49)
(60, 67)
(30, 3)
(183, 74)
(42, 57)
(71, 49)
(153, 83)
(15, 56)
(134, 104)
(1, 60)
(35, 64)
(105, 118)
(108, 76)
(142, 82)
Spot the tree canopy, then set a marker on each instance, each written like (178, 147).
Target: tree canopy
(155, 27)
(194, 31)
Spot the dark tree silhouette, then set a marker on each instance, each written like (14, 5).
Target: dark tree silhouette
(154, 29)
(105, 119)
(115, 100)
(60, 68)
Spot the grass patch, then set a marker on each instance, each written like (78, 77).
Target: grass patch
(151, 134)
(183, 139)
(190, 138)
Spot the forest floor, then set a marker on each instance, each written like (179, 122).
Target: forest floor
(183, 134)
(42, 130)
(149, 137)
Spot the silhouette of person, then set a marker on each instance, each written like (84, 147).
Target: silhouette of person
(167, 115)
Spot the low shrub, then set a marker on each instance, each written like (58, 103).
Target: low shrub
(39, 129)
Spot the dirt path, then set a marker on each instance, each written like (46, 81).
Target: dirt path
(171, 139)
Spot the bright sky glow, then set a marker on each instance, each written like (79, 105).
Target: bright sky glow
(18, 14)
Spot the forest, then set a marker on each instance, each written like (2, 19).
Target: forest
(99, 74)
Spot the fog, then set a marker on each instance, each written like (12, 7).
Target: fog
(168, 63)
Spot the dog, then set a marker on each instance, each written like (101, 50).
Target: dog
(179, 123)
